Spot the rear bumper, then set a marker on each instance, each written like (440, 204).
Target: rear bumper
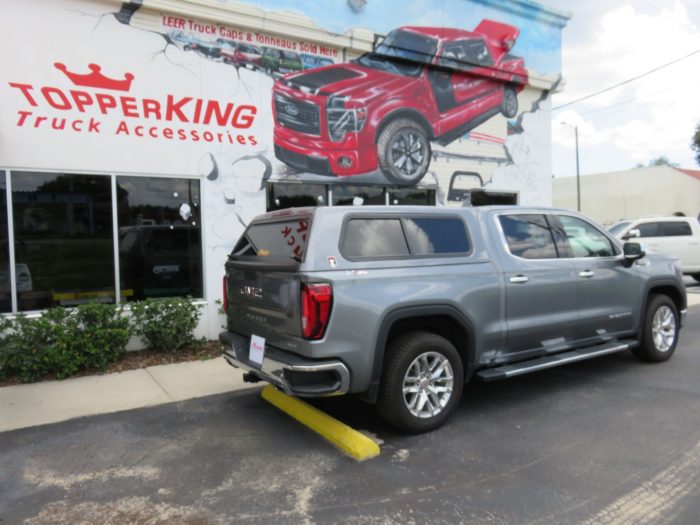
(292, 373)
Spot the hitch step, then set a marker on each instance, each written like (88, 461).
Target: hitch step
(550, 361)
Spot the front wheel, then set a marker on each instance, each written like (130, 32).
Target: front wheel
(421, 382)
(660, 330)
(403, 150)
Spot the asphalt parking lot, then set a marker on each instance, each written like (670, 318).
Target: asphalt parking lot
(604, 441)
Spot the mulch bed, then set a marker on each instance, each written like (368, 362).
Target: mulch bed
(143, 359)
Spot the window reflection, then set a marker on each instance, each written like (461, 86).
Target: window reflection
(5, 299)
(346, 195)
(63, 239)
(160, 250)
(287, 195)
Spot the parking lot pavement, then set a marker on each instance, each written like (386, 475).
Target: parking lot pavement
(603, 441)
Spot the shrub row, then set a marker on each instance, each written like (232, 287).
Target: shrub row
(64, 341)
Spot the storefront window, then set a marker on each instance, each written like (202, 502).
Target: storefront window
(63, 239)
(5, 298)
(286, 195)
(412, 196)
(160, 249)
(347, 195)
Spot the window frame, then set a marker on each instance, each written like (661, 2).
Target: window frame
(112, 175)
(402, 217)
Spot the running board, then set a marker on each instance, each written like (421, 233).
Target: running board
(550, 361)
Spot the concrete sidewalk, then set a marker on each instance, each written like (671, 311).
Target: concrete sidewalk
(52, 401)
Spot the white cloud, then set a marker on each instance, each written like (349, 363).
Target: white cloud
(649, 117)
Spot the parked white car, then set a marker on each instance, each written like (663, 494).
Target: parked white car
(677, 236)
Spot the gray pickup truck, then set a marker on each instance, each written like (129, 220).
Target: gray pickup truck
(402, 305)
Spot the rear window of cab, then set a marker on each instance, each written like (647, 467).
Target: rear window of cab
(400, 237)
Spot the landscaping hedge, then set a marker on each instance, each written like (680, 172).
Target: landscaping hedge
(62, 342)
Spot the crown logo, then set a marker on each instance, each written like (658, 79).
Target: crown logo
(96, 79)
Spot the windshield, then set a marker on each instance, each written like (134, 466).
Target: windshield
(401, 52)
(618, 227)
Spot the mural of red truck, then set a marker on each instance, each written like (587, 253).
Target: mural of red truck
(382, 110)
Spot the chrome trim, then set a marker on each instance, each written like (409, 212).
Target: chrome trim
(565, 360)
(519, 279)
(586, 274)
(273, 370)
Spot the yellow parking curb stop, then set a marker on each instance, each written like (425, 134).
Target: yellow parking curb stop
(339, 434)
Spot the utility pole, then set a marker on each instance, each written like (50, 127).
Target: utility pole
(578, 174)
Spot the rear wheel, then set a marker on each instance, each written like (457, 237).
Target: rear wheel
(660, 331)
(421, 382)
(509, 106)
(403, 149)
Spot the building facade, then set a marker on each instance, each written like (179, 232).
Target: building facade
(631, 194)
(137, 139)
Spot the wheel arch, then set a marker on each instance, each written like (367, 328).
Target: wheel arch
(444, 320)
(667, 287)
(408, 113)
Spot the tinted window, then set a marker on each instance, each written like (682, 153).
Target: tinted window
(649, 229)
(5, 299)
(374, 238)
(584, 239)
(431, 236)
(344, 195)
(528, 236)
(160, 252)
(295, 195)
(63, 239)
(676, 229)
(277, 239)
(412, 196)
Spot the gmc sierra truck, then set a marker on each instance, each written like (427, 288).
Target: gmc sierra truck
(403, 305)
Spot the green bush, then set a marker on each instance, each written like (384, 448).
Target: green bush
(165, 324)
(62, 342)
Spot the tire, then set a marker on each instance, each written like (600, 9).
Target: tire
(408, 356)
(403, 150)
(660, 330)
(509, 106)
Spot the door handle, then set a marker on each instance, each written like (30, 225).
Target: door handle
(586, 273)
(519, 279)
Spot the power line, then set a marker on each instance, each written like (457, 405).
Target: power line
(628, 80)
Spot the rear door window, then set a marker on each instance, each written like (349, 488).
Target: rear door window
(676, 229)
(649, 229)
(275, 239)
(528, 236)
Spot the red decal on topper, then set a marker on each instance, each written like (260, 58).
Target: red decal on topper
(96, 79)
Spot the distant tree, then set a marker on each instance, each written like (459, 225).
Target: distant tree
(678, 214)
(658, 161)
(695, 144)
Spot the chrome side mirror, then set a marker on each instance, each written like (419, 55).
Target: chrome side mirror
(634, 233)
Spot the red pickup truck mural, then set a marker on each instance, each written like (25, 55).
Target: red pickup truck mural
(382, 110)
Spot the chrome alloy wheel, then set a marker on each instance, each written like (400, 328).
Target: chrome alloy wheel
(663, 329)
(428, 384)
(408, 153)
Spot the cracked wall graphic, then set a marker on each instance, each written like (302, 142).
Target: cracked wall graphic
(249, 95)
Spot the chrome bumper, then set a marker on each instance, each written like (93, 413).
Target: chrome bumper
(279, 367)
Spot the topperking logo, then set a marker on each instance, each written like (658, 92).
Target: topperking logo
(95, 101)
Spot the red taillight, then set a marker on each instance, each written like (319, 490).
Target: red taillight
(225, 296)
(316, 302)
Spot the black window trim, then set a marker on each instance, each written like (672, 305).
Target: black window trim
(402, 217)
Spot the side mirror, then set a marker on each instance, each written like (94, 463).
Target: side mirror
(633, 252)
(634, 233)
